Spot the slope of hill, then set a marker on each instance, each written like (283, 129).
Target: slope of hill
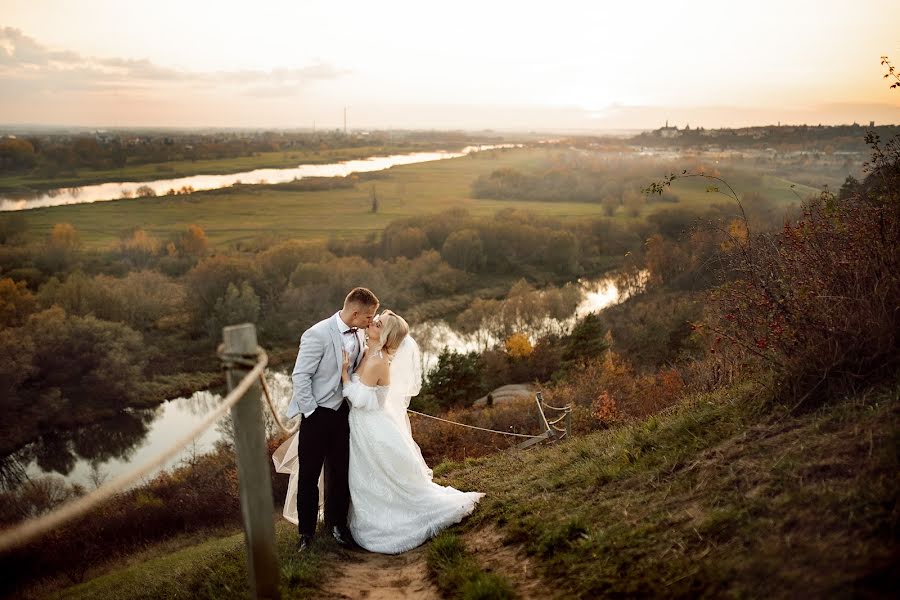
(719, 498)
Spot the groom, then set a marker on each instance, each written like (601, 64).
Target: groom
(324, 436)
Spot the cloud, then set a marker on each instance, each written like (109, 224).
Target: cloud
(17, 49)
(27, 66)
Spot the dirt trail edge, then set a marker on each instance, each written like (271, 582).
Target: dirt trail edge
(381, 577)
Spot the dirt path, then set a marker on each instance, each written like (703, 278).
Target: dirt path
(382, 577)
(486, 545)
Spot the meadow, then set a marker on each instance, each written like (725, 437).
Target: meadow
(244, 213)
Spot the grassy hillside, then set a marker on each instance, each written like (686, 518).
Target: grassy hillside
(718, 499)
(231, 215)
(721, 498)
(214, 568)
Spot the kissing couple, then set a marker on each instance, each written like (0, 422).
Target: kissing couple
(354, 377)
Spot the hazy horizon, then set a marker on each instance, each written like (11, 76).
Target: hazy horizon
(500, 66)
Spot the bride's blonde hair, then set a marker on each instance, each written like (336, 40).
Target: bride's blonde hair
(393, 329)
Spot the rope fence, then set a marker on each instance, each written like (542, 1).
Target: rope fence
(238, 354)
(524, 435)
(275, 413)
(30, 529)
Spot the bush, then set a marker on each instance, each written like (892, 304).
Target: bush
(613, 392)
(238, 305)
(455, 380)
(441, 441)
(816, 302)
(201, 494)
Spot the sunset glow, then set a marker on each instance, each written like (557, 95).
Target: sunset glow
(566, 65)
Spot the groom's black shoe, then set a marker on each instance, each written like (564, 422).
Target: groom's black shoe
(343, 538)
(304, 544)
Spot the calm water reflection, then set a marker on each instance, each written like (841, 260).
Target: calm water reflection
(113, 446)
(434, 336)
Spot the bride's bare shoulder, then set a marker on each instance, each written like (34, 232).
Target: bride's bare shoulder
(380, 365)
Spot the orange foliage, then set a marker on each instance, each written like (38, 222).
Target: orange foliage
(518, 346)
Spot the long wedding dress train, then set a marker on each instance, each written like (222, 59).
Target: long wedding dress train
(395, 506)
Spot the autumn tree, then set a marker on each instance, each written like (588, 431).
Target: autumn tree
(237, 305)
(207, 282)
(139, 247)
(85, 359)
(193, 242)
(16, 303)
(404, 241)
(62, 248)
(464, 250)
(16, 154)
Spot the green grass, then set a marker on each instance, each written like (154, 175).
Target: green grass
(720, 499)
(232, 215)
(214, 569)
(187, 168)
(459, 576)
(692, 192)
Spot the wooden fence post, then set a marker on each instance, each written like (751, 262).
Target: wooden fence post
(542, 419)
(253, 468)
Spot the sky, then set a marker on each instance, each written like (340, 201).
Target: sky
(551, 65)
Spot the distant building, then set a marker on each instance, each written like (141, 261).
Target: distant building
(668, 132)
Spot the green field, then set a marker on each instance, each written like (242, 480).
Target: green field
(232, 215)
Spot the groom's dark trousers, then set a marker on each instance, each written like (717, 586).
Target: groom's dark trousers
(324, 439)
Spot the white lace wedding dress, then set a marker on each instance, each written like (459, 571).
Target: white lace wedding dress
(394, 504)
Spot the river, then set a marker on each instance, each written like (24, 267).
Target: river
(118, 190)
(107, 449)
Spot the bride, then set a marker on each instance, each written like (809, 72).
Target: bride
(395, 506)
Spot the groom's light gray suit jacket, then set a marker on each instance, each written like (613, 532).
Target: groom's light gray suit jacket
(317, 372)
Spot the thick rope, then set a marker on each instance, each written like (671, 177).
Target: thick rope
(470, 426)
(284, 429)
(555, 407)
(30, 529)
(557, 420)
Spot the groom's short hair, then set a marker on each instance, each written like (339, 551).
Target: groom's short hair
(362, 296)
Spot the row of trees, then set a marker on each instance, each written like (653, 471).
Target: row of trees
(51, 154)
(616, 184)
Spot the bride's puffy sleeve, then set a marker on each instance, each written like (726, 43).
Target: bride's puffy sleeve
(361, 396)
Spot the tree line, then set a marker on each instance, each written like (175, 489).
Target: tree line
(573, 177)
(49, 155)
(89, 331)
